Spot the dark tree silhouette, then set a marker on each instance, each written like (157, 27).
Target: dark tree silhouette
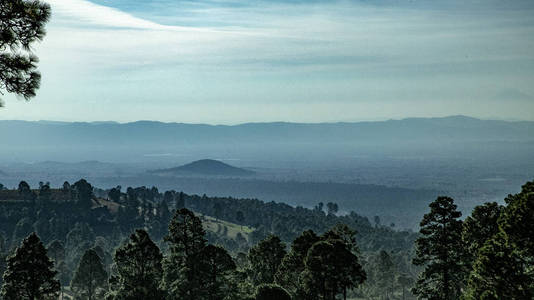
(139, 269)
(292, 266)
(83, 192)
(89, 277)
(183, 276)
(66, 187)
(479, 227)
(331, 269)
(265, 258)
(22, 23)
(45, 195)
(24, 190)
(115, 194)
(217, 267)
(332, 208)
(441, 252)
(30, 273)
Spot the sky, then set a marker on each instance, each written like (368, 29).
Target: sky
(230, 62)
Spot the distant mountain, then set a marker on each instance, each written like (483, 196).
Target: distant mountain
(205, 167)
(147, 141)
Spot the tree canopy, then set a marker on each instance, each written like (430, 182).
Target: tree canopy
(265, 258)
(139, 269)
(22, 22)
(30, 273)
(502, 268)
(439, 251)
(90, 276)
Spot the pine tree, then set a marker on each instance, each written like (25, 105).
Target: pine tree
(479, 227)
(331, 269)
(22, 23)
(517, 221)
(217, 269)
(83, 192)
(292, 265)
(265, 258)
(138, 267)
(90, 276)
(45, 196)
(30, 274)
(499, 273)
(183, 277)
(115, 194)
(440, 251)
(344, 233)
(503, 266)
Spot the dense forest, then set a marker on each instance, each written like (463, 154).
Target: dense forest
(87, 243)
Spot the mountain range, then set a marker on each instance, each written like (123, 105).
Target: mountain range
(279, 141)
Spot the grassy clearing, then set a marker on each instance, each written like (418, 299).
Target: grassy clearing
(214, 225)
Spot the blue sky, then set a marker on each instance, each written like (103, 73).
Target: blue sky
(228, 62)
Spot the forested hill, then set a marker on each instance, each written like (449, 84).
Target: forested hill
(368, 261)
(78, 220)
(108, 141)
(117, 210)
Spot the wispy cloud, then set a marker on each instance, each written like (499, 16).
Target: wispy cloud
(81, 11)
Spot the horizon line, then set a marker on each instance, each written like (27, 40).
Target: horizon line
(97, 122)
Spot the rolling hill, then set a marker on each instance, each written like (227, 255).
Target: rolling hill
(205, 167)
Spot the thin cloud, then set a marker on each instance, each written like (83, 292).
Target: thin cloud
(85, 11)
